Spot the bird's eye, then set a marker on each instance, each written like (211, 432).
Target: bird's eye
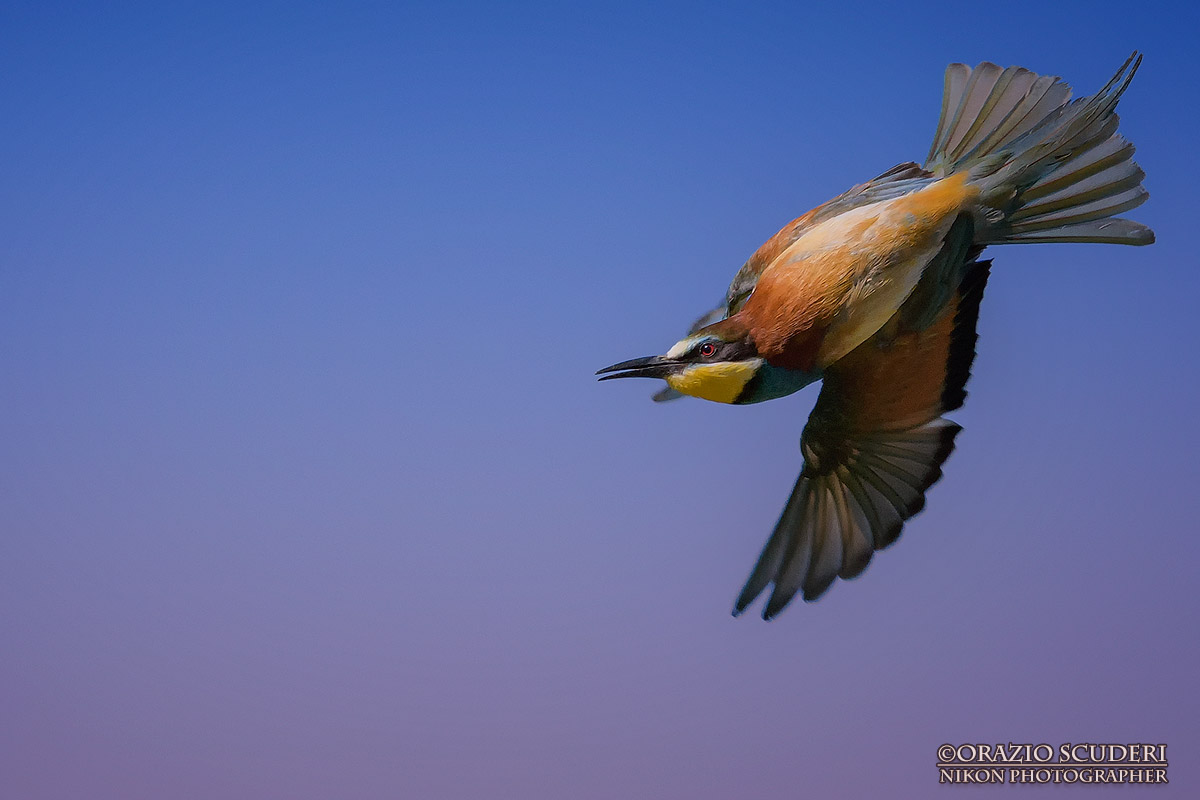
(708, 349)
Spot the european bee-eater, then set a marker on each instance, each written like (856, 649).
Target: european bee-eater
(876, 294)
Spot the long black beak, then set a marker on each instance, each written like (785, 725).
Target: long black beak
(648, 367)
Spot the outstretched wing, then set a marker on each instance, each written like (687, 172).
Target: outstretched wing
(900, 179)
(876, 440)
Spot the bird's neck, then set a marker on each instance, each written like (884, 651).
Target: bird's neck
(771, 382)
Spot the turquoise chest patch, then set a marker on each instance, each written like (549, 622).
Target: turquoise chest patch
(772, 382)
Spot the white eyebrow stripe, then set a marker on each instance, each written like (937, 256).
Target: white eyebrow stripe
(680, 348)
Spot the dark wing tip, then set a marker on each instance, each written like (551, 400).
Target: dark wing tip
(852, 569)
(963, 338)
(813, 592)
(747, 597)
(776, 605)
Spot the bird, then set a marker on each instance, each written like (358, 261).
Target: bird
(876, 293)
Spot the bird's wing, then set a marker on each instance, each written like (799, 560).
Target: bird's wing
(900, 179)
(875, 442)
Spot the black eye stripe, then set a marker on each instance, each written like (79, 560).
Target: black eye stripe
(725, 351)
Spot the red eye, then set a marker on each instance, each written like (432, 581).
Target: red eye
(708, 349)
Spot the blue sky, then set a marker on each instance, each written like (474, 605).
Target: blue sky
(307, 488)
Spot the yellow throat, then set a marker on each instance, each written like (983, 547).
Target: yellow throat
(721, 383)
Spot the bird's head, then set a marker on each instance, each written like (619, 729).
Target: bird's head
(719, 362)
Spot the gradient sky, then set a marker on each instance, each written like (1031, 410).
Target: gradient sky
(307, 489)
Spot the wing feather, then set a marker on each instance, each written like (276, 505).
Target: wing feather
(874, 444)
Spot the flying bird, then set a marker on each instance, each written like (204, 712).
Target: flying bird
(876, 294)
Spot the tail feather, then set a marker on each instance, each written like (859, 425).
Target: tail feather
(1045, 94)
(1104, 231)
(1105, 207)
(1113, 152)
(1047, 168)
(990, 97)
(1117, 178)
(985, 108)
(957, 76)
(976, 95)
(1067, 131)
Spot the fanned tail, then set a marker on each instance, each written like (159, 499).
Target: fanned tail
(1051, 170)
